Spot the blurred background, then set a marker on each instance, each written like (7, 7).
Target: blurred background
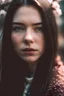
(60, 22)
(4, 4)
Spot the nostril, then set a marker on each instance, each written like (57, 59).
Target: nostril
(27, 41)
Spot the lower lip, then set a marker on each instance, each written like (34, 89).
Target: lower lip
(29, 52)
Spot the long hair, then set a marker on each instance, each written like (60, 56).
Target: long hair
(15, 69)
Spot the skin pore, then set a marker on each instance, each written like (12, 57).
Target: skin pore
(27, 35)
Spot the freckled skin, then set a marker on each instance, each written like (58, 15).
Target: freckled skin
(29, 36)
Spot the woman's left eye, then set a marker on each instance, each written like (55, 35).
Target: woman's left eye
(38, 29)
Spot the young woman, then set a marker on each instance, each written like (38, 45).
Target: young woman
(29, 47)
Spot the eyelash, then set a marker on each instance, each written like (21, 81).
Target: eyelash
(18, 29)
(22, 29)
(38, 29)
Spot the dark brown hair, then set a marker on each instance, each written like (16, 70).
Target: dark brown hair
(15, 69)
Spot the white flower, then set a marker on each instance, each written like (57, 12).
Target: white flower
(2, 12)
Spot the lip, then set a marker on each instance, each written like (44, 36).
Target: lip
(29, 51)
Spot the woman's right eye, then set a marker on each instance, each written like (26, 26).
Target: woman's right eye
(18, 29)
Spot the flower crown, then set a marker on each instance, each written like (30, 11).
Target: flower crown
(4, 6)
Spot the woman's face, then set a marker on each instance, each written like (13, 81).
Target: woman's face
(27, 36)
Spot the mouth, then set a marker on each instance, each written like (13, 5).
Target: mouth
(29, 51)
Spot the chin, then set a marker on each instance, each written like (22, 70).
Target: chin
(30, 60)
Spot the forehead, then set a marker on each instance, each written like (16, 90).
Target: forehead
(27, 13)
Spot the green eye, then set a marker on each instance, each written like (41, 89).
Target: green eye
(39, 29)
(18, 29)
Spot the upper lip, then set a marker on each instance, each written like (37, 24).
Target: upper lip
(29, 49)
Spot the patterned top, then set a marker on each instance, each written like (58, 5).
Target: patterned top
(27, 84)
(56, 87)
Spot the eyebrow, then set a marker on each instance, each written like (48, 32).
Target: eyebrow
(34, 24)
(39, 23)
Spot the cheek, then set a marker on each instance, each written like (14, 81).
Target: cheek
(15, 39)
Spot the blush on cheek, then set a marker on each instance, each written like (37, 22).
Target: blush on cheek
(15, 39)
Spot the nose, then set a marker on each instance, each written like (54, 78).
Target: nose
(28, 38)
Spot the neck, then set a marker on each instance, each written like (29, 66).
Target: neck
(32, 67)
